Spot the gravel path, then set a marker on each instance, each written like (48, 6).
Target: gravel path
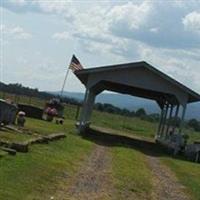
(93, 181)
(166, 185)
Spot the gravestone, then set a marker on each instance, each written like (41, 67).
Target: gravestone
(8, 112)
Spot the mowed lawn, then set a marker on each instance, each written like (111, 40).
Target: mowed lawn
(187, 172)
(39, 173)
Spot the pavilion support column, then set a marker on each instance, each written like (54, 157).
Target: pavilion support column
(160, 122)
(86, 110)
(164, 120)
(176, 117)
(168, 123)
(182, 119)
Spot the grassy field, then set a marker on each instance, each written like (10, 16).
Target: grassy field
(188, 174)
(131, 174)
(39, 173)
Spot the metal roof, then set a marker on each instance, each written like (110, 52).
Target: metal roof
(83, 76)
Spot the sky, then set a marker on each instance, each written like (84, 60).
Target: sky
(38, 38)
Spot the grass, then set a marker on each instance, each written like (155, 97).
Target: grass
(11, 136)
(3, 153)
(188, 174)
(131, 174)
(193, 135)
(33, 128)
(125, 168)
(45, 128)
(37, 175)
(129, 125)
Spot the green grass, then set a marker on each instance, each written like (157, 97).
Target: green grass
(129, 125)
(33, 128)
(193, 135)
(37, 174)
(44, 128)
(11, 136)
(188, 174)
(131, 175)
(3, 153)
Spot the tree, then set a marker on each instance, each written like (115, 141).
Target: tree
(140, 112)
(193, 123)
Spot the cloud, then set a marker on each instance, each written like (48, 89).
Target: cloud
(156, 23)
(14, 32)
(129, 16)
(154, 30)
(183, 65)
(38, 6)
(52, 6)
(136, 21)
(141, 22)
(61, 36)
(191, 22)
(165, 34)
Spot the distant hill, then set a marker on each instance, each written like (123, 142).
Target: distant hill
(133, 103)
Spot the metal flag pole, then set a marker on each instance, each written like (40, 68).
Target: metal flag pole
(76, 65)
(62, 90)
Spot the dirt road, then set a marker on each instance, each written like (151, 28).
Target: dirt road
(165, 183)
(94, 180)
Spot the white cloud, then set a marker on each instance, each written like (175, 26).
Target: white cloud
(191, 21)
(52, 6)
(180, 64)
(61, 36)
(129, 15)
(14, 32)
(162, 33)
(154, 30)
(19, 33)
(62, 7)
(19, 2)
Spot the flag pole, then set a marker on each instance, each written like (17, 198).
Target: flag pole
(63, 86)
(76, 65)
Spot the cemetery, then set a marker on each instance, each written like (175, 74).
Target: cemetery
(15, 135)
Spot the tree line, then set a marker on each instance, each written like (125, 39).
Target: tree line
(141, 113)
(19, 89)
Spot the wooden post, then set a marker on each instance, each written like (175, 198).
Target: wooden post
(160, 122)
(164, 119)
(77, 112)
(176, 115)
(170, 116)
(30, 100)
(182, 119)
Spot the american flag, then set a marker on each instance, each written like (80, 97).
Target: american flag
(75, 64)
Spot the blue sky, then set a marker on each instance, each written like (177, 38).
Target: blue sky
(38, 38)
